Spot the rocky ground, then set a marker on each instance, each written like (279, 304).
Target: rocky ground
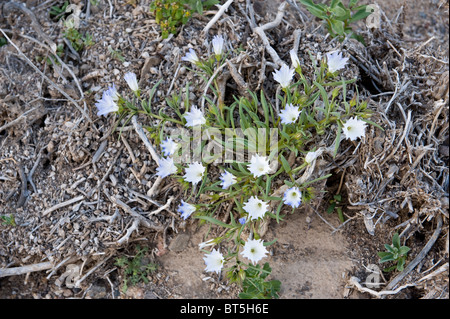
(70, 182)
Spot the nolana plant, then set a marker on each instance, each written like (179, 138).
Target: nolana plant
(395, 253)
(337, 17)
(220, 132)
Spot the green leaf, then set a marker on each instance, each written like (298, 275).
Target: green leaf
(352, 3)
(315, 9)
(214, 221)
(265, 109)
(389, 248)
(358, 38)
(330, 208)
(389, 269)
(404, 250)
(386, 258)
(361, 14)
(334, 3)
(268, 244)
(400, 264)
(383, 254)
(340, 214)
(338, 26)
(396, 241)
(341, 13)
(284, 162)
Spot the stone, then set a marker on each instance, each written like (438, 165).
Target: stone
(180, 242)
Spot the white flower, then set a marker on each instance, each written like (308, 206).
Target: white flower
(214, 261)
(169, 147)
(112, 91)
(311, 156)
(335, 61)
(206, 244)
(106, 104)
(259, 165)
(289, 114)
(218, 43)
(293, 197)
(131, 80)
(194, 117)
(294, 59)
(254, 250)
(194, 172)
(191, 56)
(255, 208)
(283, 76)
(166, 167)
(186, 209)
(354, 128)
(227, 179)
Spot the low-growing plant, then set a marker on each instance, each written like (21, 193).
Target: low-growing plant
(337, 17)
(57, 12)
(8, 220)
(116, 54)
(395, 253)
(77, 40)
(251, 141)
(255, 285)
(135, 270)
(335, 206)
(171, 14)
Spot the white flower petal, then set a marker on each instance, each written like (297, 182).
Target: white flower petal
(214, 261)
(283, 76)
(112, 91)
(194, 117)
(354, 129)
(227, 179)
(106, 104)
(186, 209)
(254, 250)
(166, 167)
(294, 59)
(191, 56)
(131, 80)
(256, 208)
(169, 147)
(194, 173)
(290, 114)
(259, 165)
(293, 197)
(206, 244)
(335, 61)
(218, 43)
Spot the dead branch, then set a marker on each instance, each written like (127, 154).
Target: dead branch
(140, 131)
(354, 281)
(48, 79)
(4, 272)
(271, 25)
(63, 204)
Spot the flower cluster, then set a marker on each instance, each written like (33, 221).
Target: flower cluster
(248, 187)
